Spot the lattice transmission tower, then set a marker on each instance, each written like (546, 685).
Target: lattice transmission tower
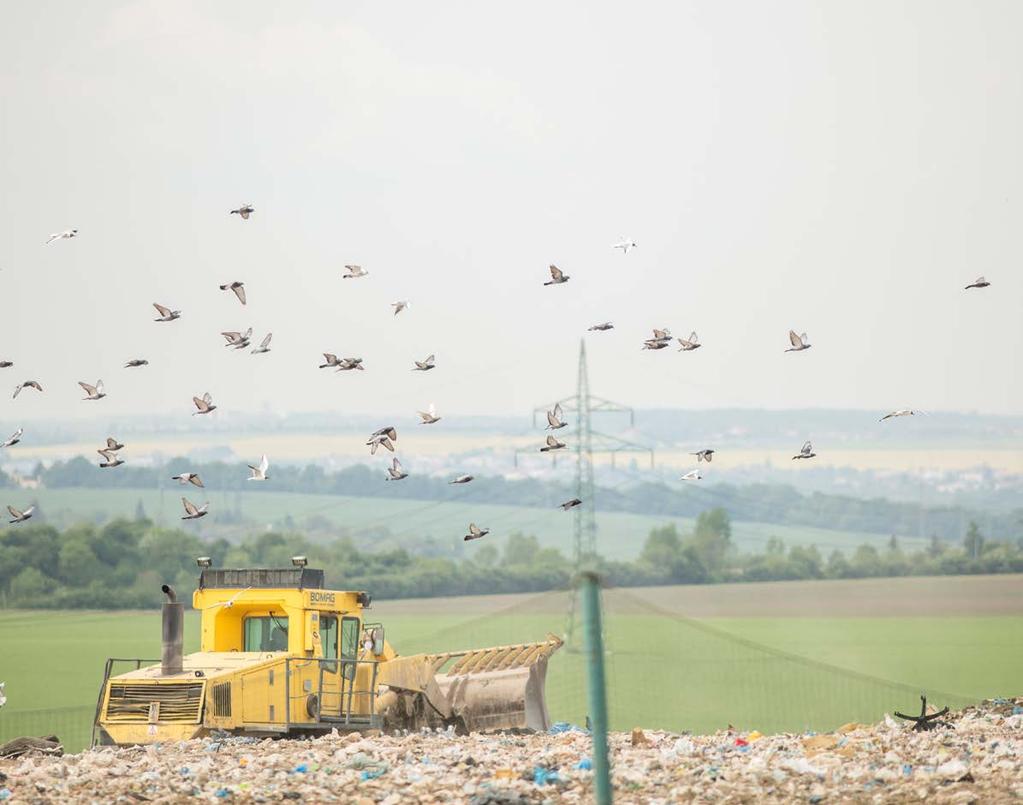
(587, 442)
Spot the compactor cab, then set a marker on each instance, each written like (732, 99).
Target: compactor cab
(281, 655)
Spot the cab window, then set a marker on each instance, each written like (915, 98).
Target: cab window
(266, 633)
(328, 636)
(349, 638)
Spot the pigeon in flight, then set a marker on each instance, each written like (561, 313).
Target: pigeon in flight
(692, 475)
(193, 512)
(400, 305)
(661, 335)
(475, 532)
(244, 211)
(980, 282)
(112, 459)
(188, 478)
(67, 234)
(806, 451)
(799, 342)
(552, 444)
(703, 455)
(236, 339)
(385, 437)
(396, 472)
(203, 405)
(429, 416)
(259, 473)
(20, 517)
(331, 360)
(570, 504)
(557, 276)
(96, 392)
(654, 344)
(14, 438)
(166, 314)
(29, 384)
(6, 364)
(900, 412)
(238, 288)
(113, 445)
(135, 363)
(424, 365)
(354, 272)
(625, 244)
(347, 364)
(462, 479)
(599, 328)
(264, 345)
(689, 344)
(555, 418)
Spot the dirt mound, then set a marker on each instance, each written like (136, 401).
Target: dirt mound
(975, 756)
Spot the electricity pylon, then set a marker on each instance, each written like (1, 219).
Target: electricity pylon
(583, 405)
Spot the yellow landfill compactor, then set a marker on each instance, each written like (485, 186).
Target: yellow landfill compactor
(280, 655)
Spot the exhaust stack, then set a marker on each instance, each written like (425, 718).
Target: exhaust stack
(173, 633)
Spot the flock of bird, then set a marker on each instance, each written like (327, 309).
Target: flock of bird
(387, 436)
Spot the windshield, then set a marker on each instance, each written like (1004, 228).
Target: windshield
(266, 633)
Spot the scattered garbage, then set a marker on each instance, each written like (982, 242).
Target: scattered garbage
(977, 757)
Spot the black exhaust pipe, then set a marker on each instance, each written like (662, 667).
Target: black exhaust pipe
(173, 633)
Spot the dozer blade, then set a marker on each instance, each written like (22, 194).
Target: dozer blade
(481, 689)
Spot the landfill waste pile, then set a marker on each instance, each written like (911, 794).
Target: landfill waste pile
(974, 755)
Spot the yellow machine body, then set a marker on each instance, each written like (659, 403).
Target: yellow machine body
(296, 658)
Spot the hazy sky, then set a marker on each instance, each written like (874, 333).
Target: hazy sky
(835, 167)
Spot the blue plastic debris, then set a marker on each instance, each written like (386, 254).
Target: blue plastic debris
(222, 793)
(563, 726)
(371, 774)
(907, 769)
(302, 768)
(5, 793)
(585, 764)
(545, 776)
(1016, 710)
(184, 771)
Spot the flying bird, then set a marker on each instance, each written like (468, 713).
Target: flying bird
(385, 437)
(14, 438)
(654, 344)
(188, 478)
(136, 362)
(331, 360)
(112, 459)
(557, 276)
(806, 451)
(555, 418)
(625, 244)
(570, 504)
(238, 288)
(166, 314)
(601, 327)
(113, 445)
(20, 517)
(193, 512)
(259, 473)
(236, 339)
(552, 444)
(244, 211)
(96, 392)
(661, 335)
(900, 412)
(475, 532)
(689, 344)
(429, 416)
(204, 405)
(703, 455)
(424, 365)
(396, 472)
(692, 475)
(354, 272)
(29, 384)
(799, 342)
(6, 364)
(980, 282)
(347, 364)
(264, 345)
(400, 305)
(462, 479)
(67, 234)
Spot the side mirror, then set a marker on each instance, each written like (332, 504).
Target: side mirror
(378, 640)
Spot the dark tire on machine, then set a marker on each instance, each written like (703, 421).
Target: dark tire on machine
(312, 705)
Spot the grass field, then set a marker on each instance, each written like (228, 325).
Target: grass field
(620, 534)
(747, 658)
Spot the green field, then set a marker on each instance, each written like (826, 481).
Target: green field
(620, 534)
(756, 666)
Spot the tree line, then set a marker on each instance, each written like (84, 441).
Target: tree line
(123, 563)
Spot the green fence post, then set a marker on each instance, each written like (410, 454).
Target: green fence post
(594, 647)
